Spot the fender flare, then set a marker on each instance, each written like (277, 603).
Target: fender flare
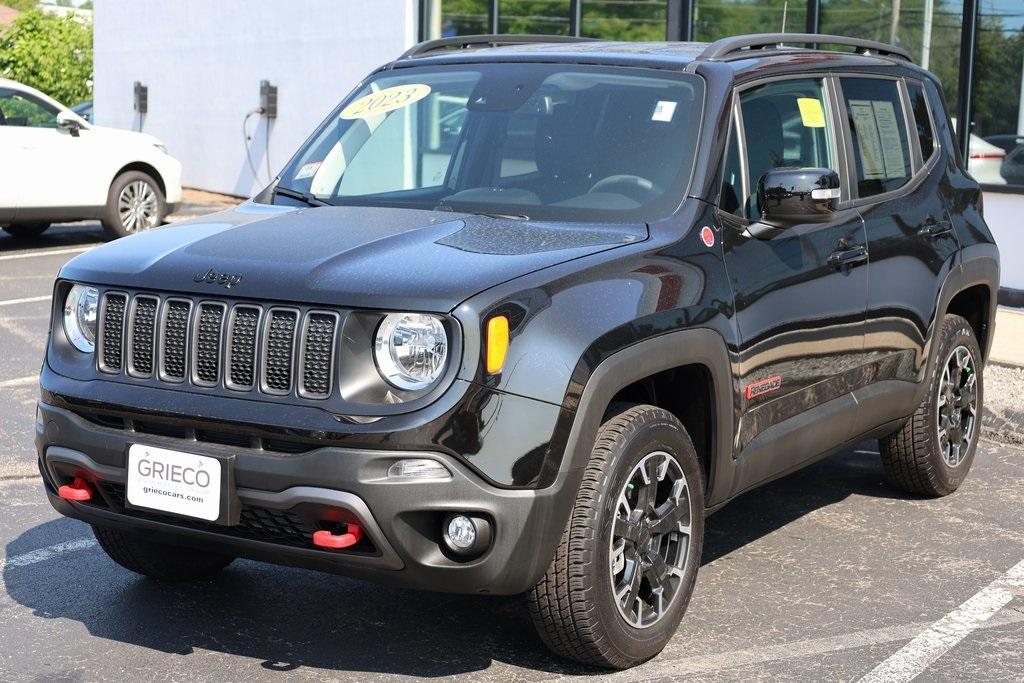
(702, 346)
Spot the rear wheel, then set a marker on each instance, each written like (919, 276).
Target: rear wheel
(932, 453)
(26, 230)
(156, 560)
(627, 562)
(134, 204)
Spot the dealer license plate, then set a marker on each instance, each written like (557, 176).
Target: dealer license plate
(172, 481)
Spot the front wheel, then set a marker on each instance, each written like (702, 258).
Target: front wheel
(627, 562)
(932, 453)
(134, 204)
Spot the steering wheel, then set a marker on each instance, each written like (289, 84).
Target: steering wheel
(641, 190)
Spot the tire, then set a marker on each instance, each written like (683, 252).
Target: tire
(574, 606)
(160, 561)
(26, 230)
(134, 204)
(916, 458)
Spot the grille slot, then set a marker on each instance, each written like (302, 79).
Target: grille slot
(278, 350)
(206, 344)
(317, 354)
(243, 330)
(112, 331)
(174, 339)
(142, 324)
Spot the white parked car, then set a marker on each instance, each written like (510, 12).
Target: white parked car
(55, 166)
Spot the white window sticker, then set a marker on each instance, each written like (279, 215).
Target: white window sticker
(664, 111)
(307, 170)
(878, 139)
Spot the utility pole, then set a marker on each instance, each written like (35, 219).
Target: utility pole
(926, 40)
(895, 25)
(1020, 107)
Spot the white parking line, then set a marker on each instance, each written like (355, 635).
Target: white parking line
(26, 300)
(944, 634)
(19, 382)
(44, 252)
(47, 553)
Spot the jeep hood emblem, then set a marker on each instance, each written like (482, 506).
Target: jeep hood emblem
(226, 280)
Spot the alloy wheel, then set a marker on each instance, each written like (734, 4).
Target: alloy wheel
(650, 539)
(957, 406)
(137, 207)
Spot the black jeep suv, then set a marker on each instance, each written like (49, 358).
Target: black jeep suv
(522, 312)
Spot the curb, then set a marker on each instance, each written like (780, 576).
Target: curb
(1003, 425)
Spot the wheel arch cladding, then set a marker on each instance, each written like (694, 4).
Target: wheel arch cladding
(973, 304)
(666, 365)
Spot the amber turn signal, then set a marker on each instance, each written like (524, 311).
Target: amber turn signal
(497, 343)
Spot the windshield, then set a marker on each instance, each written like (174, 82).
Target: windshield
(547, 141)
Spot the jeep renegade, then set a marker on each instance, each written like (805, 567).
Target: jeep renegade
(522, 312)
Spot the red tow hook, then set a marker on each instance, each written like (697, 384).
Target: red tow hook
(326, 539)
(77, 490)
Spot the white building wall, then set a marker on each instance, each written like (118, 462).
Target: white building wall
(203, 62)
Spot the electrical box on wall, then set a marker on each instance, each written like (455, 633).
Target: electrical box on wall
(268, 99)
(140, 97)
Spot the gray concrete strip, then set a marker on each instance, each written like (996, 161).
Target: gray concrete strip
(43, 554)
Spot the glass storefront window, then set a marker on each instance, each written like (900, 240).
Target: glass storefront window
(550, 17)
(997, 145)
(624, 19)
(448, 18)
(714, 19)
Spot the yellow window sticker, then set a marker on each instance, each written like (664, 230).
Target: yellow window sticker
(383, 101)
(811, 112)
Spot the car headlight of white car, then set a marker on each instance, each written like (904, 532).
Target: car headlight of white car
(80, 312)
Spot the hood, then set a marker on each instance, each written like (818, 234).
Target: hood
(360, 257)
(124, 136)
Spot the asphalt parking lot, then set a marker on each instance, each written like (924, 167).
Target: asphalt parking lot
(826, 574)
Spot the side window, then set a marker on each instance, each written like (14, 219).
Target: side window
(785, 124)
(925, 132)
(878, 134)
(732, 179)
(18, 109)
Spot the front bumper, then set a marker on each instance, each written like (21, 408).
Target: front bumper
(281, 495)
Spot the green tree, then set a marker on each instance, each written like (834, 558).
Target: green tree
(49, 53)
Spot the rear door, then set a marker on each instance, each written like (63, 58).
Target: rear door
(896, 185)
(799, 314)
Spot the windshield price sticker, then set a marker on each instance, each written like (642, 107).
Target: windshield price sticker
(383, 101)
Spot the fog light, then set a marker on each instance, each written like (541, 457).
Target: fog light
(466, 535)
(418, 468)
(461, 533)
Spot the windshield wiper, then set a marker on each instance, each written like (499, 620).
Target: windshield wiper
(306, 197)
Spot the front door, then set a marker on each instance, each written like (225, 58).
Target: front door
(800, 296)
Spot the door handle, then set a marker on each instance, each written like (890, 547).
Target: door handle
(934, 228)
(848, 257)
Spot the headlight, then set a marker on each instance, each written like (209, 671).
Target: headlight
(411, 350)
(80, 317)
(160, 147)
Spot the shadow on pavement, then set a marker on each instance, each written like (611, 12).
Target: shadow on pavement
(289, 618)
(62, 235)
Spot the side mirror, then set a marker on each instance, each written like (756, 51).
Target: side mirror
(787, 196)
(70, 122)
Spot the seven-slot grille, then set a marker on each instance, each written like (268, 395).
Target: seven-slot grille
(244, 347)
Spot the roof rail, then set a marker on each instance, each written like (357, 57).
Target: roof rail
(731, 47)
(486, 40)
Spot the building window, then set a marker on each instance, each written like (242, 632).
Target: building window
(530, 16)
(714, 19)
(448, 18)
(624, 19)
(997, 143)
